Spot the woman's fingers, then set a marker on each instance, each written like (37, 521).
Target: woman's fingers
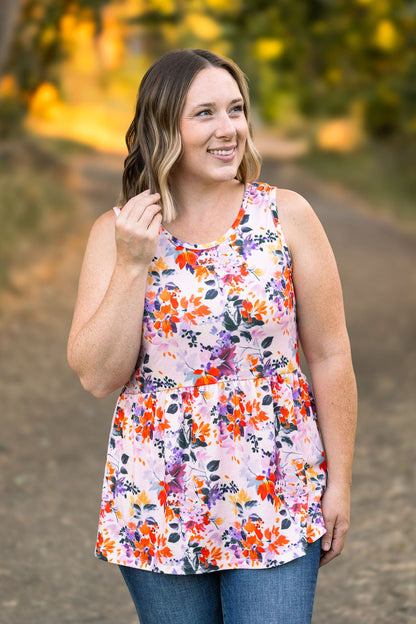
(338, 536)
(148, 215)
(335, 509)
(137, 229)
(326, 541)
(137, 205)
(154, 226)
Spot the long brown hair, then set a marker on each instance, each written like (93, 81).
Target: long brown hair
(153, 138)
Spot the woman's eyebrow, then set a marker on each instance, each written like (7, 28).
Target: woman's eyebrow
(210, 104)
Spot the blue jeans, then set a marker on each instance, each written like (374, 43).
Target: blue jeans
(281, 595)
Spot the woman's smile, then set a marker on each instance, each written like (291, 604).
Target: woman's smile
(224, 154)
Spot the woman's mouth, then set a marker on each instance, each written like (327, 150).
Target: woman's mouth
(224, 154)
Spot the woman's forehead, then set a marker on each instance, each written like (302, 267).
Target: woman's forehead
(209, 83)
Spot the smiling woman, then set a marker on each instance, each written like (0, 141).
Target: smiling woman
(154, 137)
(218, 486)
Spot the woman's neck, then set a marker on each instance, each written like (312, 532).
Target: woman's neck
(193, 202)
(204, 215)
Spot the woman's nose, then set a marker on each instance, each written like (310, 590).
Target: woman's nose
(225, 126)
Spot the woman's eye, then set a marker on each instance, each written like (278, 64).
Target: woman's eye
(204, 113)
(237, 109)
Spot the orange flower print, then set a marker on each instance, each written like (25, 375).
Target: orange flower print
(145, 546)
(210, 556)
(194, 309)
(253, 312)
(105, 546)
(186, 259)
(276, 539)
(253, 547)
(266, 488)
(119, 421)
(163, 551)
(209, 376)
(201, 431)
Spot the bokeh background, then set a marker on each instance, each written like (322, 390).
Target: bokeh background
(334, 81)
(333, 88)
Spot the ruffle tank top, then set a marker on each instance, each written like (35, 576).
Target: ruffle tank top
(215, 460)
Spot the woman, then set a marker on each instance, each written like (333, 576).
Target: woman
(216, 492)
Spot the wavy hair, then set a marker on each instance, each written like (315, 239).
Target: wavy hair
(153, 139)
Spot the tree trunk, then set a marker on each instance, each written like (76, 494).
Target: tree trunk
(9, 12)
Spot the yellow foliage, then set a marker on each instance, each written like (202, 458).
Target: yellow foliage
(110, 44)
(339, 135)
(230, 5)
(67, 25)
(72, 27)
(334, 75)
(8, 87)
(45, 101)
(164, 6)
(78, 35)
(202, 26)
(376, 7)
(221, 47)
(85, 31)
(93, 125)
(171, 34)
(48, 36)
(386, 36)
(268, 49)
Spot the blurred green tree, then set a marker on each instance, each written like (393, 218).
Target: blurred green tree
(34, 53)
(327, 57)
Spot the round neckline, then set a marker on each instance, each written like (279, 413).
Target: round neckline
(199, 246)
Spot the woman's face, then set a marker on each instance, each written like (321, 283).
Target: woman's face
(213, 128)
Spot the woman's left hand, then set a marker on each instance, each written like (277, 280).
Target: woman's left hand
(336, 513)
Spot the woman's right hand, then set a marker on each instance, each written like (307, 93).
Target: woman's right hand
(137, 230)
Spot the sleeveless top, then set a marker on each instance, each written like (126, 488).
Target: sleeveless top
(215, 459)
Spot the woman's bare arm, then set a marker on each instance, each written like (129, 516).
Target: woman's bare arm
(104, 340)
(325, 342)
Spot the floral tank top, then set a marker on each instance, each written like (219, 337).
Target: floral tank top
(215, 460)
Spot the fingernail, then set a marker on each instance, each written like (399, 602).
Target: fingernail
(326, 546)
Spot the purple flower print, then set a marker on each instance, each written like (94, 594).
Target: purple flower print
(234, 534)
(224, 359)
(148, 384)
(213, 495)
(175, 483)
(246, 245)
(119, 487)
(237, 551)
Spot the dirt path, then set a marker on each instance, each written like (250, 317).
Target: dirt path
(54, 436)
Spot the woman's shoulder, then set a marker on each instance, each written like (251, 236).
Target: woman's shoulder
(102, 231)
(296, 216)
(104, 221)
(284, 197)
(290, 205)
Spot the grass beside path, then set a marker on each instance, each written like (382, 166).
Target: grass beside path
(381, 174)
(36, 200)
